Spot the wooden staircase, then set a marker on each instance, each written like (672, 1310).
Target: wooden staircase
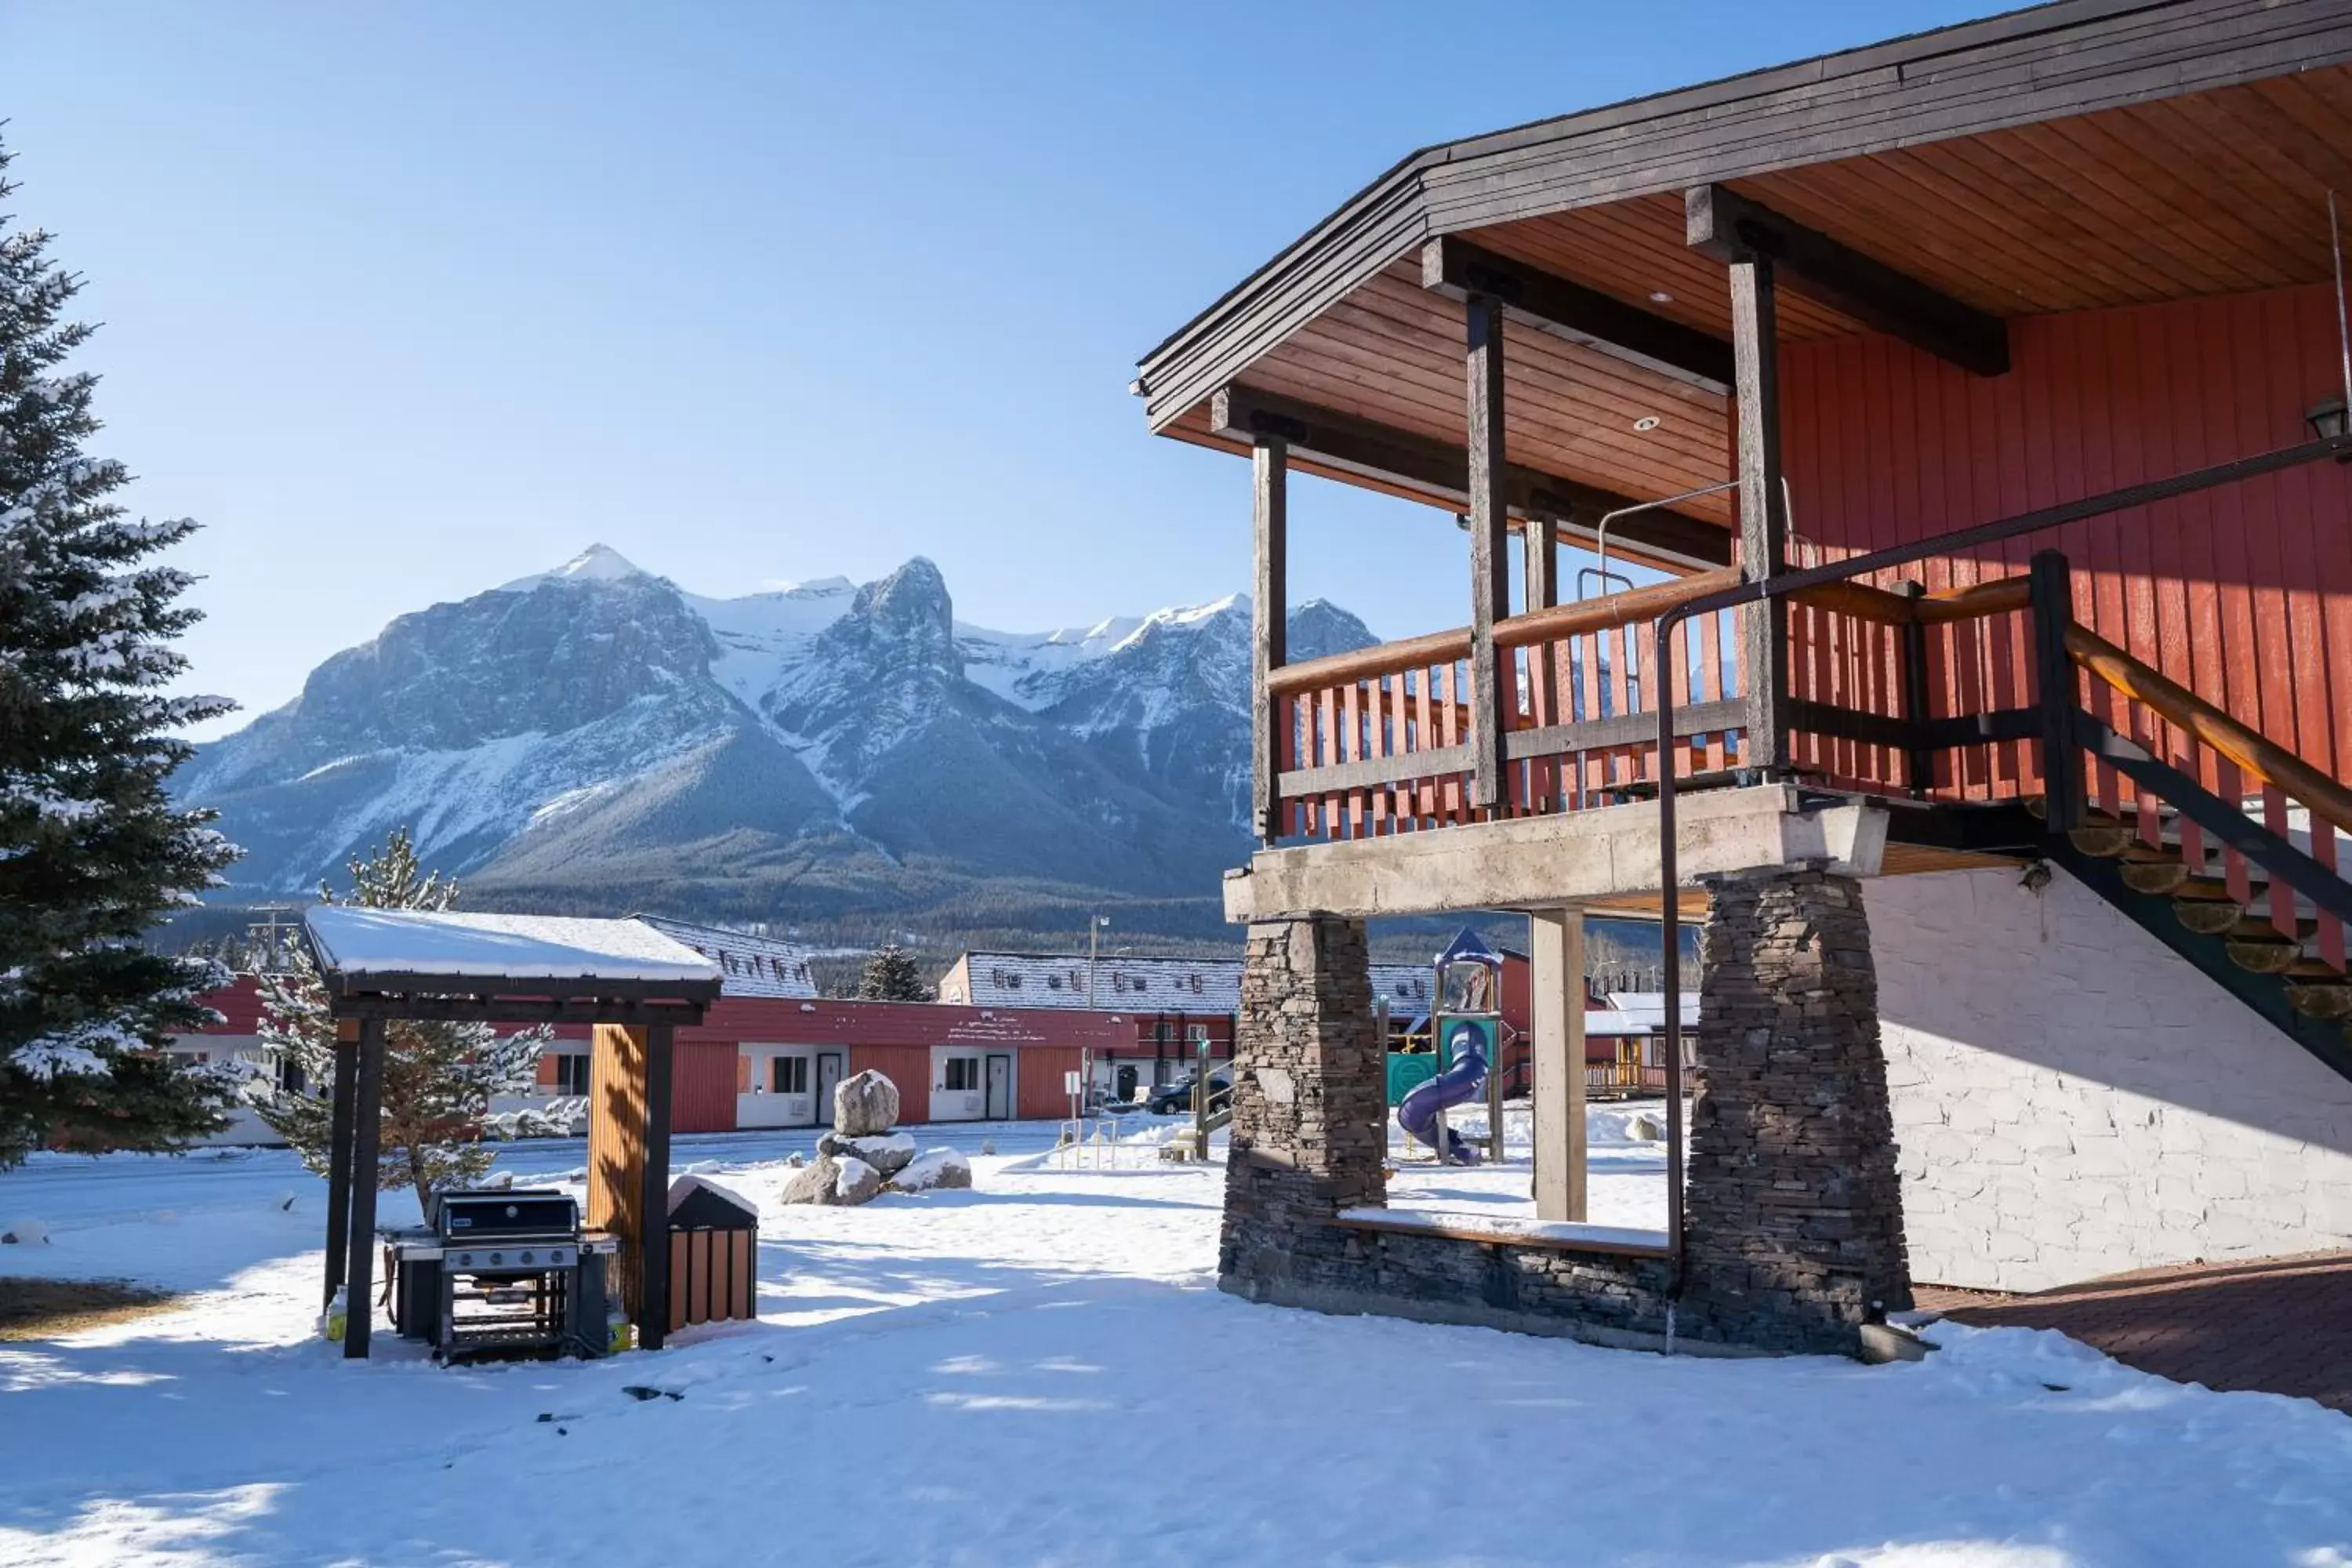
(2226, 920)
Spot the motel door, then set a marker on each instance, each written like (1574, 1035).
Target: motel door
(828, 1073)
(999, 1089)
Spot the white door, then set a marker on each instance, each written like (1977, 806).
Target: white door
(999, 1089)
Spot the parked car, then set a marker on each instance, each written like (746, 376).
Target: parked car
(1175, 1099)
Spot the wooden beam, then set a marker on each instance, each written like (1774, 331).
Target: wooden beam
(1556, 979)
(1763, 514)
(367, 1143)
(616, 1155)
(1438, 472)
(1539, 590)
(1457, 269)
(339, 1155)
(1270, 607)
(2054, 691)
(1490, 580)
(1720, 223)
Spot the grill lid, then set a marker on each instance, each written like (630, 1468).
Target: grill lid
(470, 1215)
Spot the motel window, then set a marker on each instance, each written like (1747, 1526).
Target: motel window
(790, 1075)
(572, 1073)
(962, 1072)
(290, 1077)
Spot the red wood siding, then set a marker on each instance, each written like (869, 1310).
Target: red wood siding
(1038, 1095)
(907, 1066)
(2242, 594)
(702, 1087)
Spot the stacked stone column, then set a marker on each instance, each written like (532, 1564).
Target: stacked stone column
(1309, 1098)
(1793, 1216)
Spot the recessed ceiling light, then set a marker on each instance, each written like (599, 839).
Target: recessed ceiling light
(1660, 297)
(1646, 422)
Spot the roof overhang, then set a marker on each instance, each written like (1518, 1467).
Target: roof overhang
(1922, 154)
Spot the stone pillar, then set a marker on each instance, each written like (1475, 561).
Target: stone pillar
(1309, 1103)
(1793, 1218)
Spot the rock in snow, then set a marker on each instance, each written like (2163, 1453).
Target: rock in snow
(25, 1233)
(854, 1181)
(937, 1169)
(1646, 1128)
(865, 1104)
(887, 1153)
(812, 1184)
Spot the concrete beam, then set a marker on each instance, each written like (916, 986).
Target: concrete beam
(1547, 862)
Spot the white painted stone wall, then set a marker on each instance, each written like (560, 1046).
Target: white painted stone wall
(2073, 1100)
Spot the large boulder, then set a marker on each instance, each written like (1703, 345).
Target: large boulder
(935, 1170)
(865, 1104)
(887, 1153)
(812, 1184)
(857, 1181)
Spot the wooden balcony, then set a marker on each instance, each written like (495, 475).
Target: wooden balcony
(1887, 692)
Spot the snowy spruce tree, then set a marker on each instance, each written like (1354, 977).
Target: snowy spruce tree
(891, 976)
(91, 852)
(438, 1078)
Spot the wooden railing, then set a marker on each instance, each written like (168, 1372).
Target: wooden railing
(1381, 740)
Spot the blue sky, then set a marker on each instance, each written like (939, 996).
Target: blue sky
(402, 301)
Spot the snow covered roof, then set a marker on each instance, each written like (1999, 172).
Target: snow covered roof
(751, 965)
(1127, 983)
(348, 940)
(1645, 1012)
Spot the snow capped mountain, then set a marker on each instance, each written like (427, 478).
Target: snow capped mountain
(594, 737)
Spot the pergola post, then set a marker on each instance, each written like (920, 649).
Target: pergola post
(653, 1304)
(1763, 510)
(367, 1129)
(618, 1083)
(1490, 587)
(339, 1155)
(1269, 622)
(1555, 1019)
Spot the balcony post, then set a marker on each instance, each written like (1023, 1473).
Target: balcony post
(1763, 510)
(1269, 616)
(1490, 587)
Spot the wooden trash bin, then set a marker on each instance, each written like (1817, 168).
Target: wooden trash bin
(714, 1250)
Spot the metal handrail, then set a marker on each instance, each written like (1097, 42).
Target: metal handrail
(1785, 584)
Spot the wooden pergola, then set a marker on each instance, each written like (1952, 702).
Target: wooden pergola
(635, 984)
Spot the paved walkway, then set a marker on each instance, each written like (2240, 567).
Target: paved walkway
(2280, 1324)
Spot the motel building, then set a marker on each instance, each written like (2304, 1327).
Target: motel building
(998, 1044)
(1964, 418)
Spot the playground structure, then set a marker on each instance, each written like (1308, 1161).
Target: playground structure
(1464, 1032)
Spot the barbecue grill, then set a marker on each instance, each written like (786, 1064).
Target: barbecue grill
(501, 1273)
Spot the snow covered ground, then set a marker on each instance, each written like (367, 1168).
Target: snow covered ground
(1039, 1371)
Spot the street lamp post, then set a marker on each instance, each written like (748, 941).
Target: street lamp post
(1095, 929)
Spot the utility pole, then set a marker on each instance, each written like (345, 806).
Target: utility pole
(1094, 954)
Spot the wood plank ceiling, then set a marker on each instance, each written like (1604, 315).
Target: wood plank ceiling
(2216, 193)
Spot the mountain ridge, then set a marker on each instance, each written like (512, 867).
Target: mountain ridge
(596, 738)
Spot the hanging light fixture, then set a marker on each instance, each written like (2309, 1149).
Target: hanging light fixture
(2329, 419)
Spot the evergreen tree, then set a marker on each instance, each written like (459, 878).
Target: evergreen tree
(438, 1078)
(91, 852)
(891, 976)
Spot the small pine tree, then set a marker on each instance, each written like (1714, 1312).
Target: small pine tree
(438, 1078)
(91, 852)
(891, 976)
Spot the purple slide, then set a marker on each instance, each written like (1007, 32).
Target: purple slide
(1463, 1082)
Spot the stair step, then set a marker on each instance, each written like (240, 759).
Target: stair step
(2160, 877)
(2256, 944)
(2321, 999)
(2208, 917)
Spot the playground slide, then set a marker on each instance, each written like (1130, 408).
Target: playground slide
(1462, 1082)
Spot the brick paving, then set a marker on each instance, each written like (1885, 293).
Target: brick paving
(2282, 1325)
